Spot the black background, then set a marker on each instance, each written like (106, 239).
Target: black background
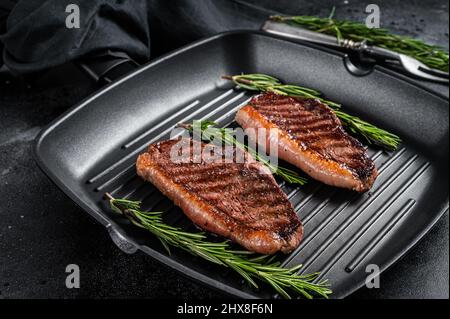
(42, 231)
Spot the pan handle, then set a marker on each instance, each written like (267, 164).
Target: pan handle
(106, 67)
(121, 241)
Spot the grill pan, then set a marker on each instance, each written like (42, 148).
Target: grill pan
(92, 148)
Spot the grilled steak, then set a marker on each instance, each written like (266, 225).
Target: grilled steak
(311, 137)
(240, 201)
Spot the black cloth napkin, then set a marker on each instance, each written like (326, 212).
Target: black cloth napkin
(35, 37)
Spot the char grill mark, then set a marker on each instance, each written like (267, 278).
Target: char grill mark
(247, 204)
(317, 128)
(312, 138)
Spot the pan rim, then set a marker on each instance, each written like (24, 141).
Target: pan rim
(182, 269)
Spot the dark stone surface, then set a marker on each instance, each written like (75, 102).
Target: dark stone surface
(42, 231)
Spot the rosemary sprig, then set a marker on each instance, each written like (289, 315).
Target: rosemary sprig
(266, 83)
(431, 55)
(209, 132)
(368, 131)
(250, 267)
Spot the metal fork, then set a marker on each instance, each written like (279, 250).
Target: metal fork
(408, 63)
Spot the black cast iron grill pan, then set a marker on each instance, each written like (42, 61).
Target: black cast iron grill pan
(92, 149)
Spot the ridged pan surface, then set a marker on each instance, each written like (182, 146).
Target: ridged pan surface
(92, 149)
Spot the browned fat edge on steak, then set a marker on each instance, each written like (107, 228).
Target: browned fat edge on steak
(240, 201)
(311, 137)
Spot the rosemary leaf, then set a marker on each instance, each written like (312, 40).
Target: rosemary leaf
(251, 269)
(431, 55)
(208, 130)
(266, 83)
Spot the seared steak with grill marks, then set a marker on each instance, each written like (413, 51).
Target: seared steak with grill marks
(240, 201)
(311, 137)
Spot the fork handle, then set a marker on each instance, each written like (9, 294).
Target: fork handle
(381, 53)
